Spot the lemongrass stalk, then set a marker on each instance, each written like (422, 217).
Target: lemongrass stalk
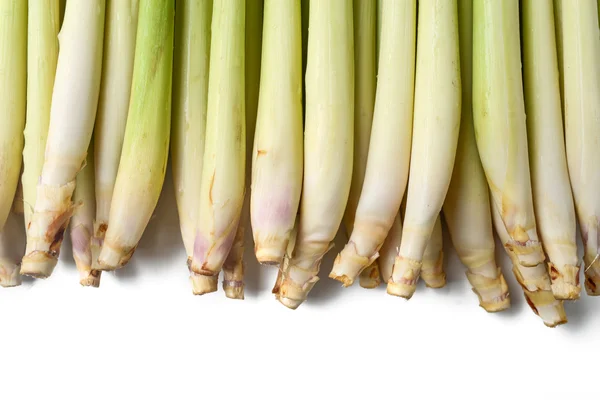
(551, 312)
(12, 246)
(234, 266)
(72, 113)
(146, 144)
(365, 73)
(552, 197)
(435, 136)
(113, 104)
(433, 259)
(389, 250)
(581, 52)
(223, 171)
(277, 155)
(42, 56)
(501, 134)
(82, 224)
(467, 205)
(13, 88)
(190, 94)
(379, 18)
(328, 131)
(389, 148)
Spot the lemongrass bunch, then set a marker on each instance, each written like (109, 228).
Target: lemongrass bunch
(115, 90)
(277, 156)
(390, 143)
(190, 94)
(581, 69)
(223, 171)
(501, 134)
(72, 113)
(146, 143)
(467, 205)
(432, 272)
(329, 130)
(435, 136)
(13, 88)
(82, 224)
(552, 196)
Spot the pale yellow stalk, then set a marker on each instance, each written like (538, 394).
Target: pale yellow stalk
(467, 205)
(365, 77)
(146, 143)
(501, 134)
(277, 155)
(72, 113)
(390, 143)
(188, 121)
(42, 56)
(82, 224)
(552, 197)
(435, 136)
(328, 144)
(223, 170)
(12, 246)
(113, 104)
(432, 271)
(581, 62)
(235, 266)
(13, 87)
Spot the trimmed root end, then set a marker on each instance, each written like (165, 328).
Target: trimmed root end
(346, 281)
(565, 281)
(90, 278)
(492, 291)
(370, 278)
(112, 258)
(233, 289)
(203, 284)
(10, 275)
(38, 264)
(433, 273)
(271, 254)
(401, 289)
(592, 278)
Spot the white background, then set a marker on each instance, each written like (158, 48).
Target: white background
(144, 335)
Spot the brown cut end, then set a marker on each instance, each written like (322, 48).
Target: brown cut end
(370, 278)
(400, 289)
(346, 281)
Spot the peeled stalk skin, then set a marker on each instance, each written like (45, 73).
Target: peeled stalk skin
(501, 135)
(72, 113)
(389, 250)
(551, 312)
(433, 259)
(467, 205)
(146, 144)
(82, 224)
(223, 171)
(435, 136)
(552, 197)
(233, 267)
(581, 52)
(278, 153)
(188, 121)
(328, 145)
(13, 88)
(113, 104)
(388, 161)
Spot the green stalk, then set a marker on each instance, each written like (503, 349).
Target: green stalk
(146, 145)
(13, 87)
